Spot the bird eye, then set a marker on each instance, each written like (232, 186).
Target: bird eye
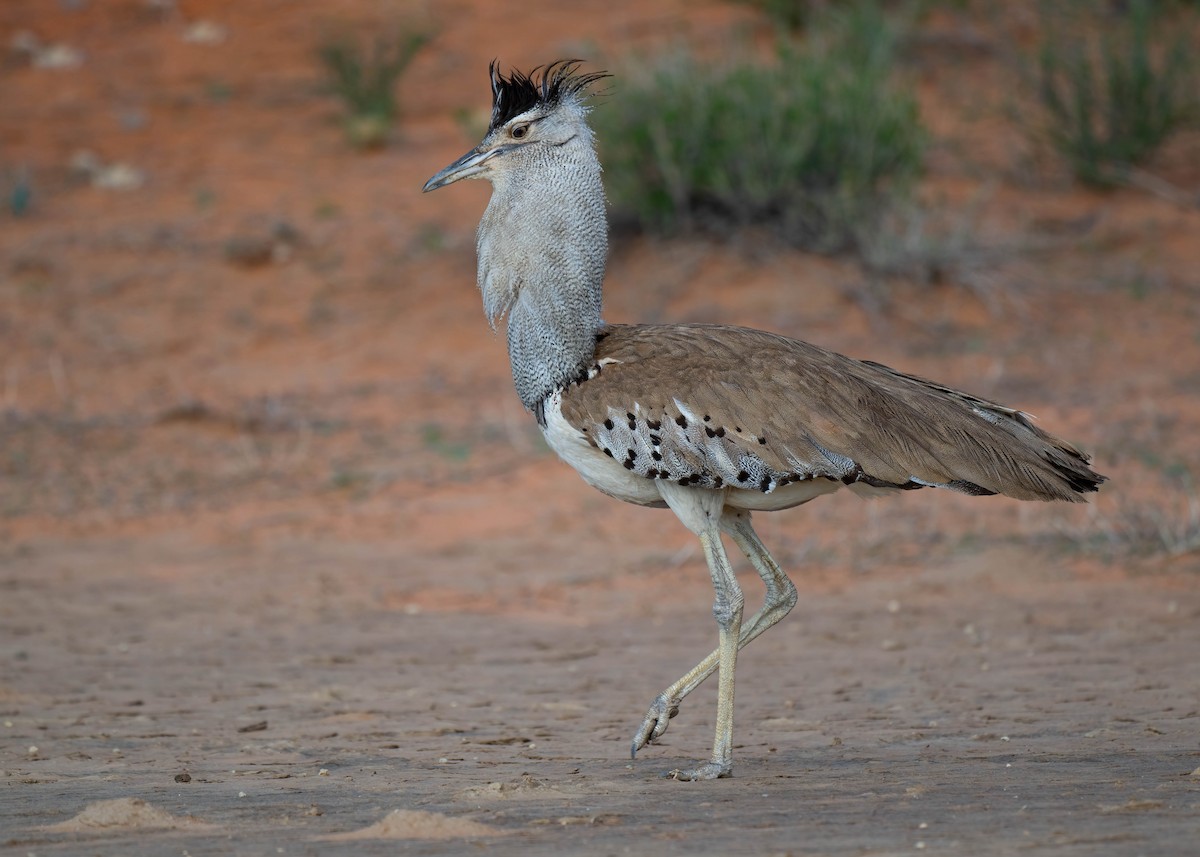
(519, 131)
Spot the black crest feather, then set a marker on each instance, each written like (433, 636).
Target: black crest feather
(545, 85)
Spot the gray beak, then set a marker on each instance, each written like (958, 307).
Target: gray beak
(468, 166)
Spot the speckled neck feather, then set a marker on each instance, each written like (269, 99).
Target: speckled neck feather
(542, 245)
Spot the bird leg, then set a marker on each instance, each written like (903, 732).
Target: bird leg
(727, 609)
(779, 601)
(781, 592)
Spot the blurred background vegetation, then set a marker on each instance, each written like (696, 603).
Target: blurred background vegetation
(1112, 95)
(181, 193)
(821, 140)
(363, 72)
(815, 142)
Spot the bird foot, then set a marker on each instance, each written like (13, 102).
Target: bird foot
(707, 771)
(655, 724)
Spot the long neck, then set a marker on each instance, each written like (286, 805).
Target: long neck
(542, 246)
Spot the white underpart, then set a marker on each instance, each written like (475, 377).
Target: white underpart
(785, 497)
(698, 509)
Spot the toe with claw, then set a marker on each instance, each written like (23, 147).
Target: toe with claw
(655, 724)
(707, 771)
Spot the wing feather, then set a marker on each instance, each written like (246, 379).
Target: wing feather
(713, 405)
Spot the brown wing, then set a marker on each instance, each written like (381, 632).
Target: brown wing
(714, 405)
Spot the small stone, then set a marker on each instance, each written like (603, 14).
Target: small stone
(205, 33)
(87, 164)
(185, 777)
(249, 251)
(118, 177)
(256, 246)
(58, 57)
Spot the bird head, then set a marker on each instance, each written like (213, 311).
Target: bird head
(532, 116)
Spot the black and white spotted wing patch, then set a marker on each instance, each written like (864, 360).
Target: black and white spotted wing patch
(676, 442)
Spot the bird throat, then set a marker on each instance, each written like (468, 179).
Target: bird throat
(542, 247)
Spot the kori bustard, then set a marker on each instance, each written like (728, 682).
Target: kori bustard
(712, 421)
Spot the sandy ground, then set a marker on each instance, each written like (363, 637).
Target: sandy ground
(285, 568)
(990, 705)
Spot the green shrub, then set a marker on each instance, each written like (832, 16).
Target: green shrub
(364, 77)
(1112, 100)
(816, 144)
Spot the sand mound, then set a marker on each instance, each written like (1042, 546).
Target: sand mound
(126, 813)
(415, 824)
